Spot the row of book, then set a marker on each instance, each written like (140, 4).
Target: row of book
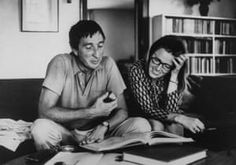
(225, 28)
(198, 45)
(225, 46)
(200, 26)
(185, 25)
(204, 45)
(225, 65)
(204, 65)
(200, 65)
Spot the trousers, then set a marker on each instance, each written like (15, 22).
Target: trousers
(47, 133)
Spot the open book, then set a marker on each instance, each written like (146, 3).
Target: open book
(75, 158)
(134, 139)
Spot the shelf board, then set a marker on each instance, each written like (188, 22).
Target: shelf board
(201, 35)
(213, 74)
(224, 36)
(225, 55)
(197, 17)
(192, 35)
(199, 55)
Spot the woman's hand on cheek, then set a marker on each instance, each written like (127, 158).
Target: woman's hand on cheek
(178, 63)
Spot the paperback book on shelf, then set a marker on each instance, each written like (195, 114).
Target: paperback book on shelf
(167, 154)
(134, 139)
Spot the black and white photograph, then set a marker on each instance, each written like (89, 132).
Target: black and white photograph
(117, 82)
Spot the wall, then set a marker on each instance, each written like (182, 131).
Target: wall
(118, 26)
(218, 8)
(110, 4)
(26, 54)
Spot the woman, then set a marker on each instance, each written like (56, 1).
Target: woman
(157, 84)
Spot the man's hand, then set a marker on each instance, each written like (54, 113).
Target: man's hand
(96, 135)
(193, 124)
(102, 108)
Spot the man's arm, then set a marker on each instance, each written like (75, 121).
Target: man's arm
(120, 113)
(118, 116)
(48, 108)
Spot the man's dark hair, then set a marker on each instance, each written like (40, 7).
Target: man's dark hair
(83, 28)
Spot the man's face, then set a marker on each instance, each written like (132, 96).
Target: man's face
(90, 50)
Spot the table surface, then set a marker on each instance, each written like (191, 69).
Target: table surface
(213, 158)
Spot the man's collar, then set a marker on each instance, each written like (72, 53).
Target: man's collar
(76, 68)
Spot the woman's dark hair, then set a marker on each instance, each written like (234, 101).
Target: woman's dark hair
(174, 45)
(83, 28)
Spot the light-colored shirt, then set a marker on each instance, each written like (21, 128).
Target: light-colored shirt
(63, 78)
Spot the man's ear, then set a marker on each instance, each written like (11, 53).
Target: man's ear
(75, 51)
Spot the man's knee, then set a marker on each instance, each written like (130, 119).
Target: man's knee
(140, 124)
(156, 125)
(45, 134)
(176, 129)
(41, 127)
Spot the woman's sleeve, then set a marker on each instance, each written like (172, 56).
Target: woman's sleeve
(172, 103)
(142, 96)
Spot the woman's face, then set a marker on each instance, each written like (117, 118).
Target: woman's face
(161, 63)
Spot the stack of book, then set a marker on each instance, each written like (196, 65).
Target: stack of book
(154, 147)
(165, 154)
(136, 139)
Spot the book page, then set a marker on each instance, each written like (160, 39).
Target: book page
(161, 137)
(134, 139)
(155, 134)
(112, 143)
(75, 158)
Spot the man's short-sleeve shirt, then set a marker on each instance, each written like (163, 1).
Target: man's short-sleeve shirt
(62, 78)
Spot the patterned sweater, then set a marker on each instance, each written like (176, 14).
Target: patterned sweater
(152, 95)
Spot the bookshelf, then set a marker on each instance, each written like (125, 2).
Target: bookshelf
(211, 41)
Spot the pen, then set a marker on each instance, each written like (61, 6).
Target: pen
(76, 163)
(210, 129)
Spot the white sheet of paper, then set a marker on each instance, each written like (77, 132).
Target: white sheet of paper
(75, 158)
(10, 143)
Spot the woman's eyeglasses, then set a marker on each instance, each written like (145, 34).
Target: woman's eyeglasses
(156, 61)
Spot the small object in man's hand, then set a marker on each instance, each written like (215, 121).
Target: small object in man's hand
(60, 163)
(111, 97)
(107, 100)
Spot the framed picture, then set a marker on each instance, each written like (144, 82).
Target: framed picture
(40, 16)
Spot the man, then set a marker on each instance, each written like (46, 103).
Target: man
(82, 94)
